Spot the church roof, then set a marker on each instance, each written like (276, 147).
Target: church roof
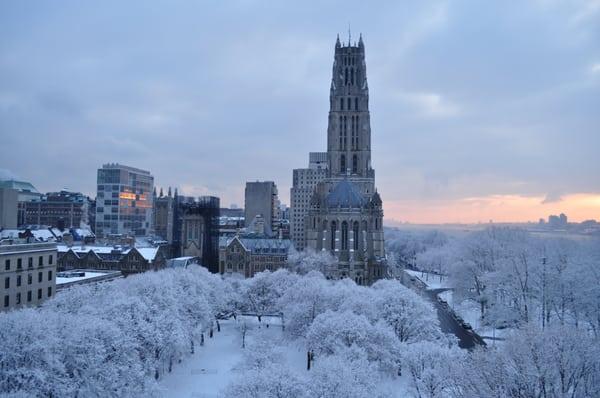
(345, 194)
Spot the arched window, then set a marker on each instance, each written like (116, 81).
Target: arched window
(341, 133)
(344, 235)
(352, 76)
(355, 103)
(342, 104)
(346, 76)
(345, 132)
(343, 164)
(333, 230)
(376, 224)
(354, 164)
(314, 223)
(356, 234)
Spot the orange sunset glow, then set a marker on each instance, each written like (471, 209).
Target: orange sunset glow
(498, 208)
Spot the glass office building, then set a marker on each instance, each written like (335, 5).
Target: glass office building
(124, 201)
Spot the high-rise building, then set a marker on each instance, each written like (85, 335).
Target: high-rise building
(124, 201)
(303, 185)
(345, 215)
(62, 209)
(261, 199)
(8, 208)
(27, 274)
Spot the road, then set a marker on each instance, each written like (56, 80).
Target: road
(467, 339)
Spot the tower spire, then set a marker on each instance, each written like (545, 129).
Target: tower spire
(349, 35)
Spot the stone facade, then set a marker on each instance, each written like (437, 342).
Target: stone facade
(127, 260)
(249, 255)
(27, 274)
(346, 213)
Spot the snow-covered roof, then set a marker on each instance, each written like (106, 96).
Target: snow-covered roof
(43, 235)
(149, 253)
(260, 245)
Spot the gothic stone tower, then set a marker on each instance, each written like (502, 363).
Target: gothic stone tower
(345, 215)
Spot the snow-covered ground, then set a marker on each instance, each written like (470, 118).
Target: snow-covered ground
(207, 373)
(433, 281)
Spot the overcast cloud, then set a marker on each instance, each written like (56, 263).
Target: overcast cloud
(468, 99)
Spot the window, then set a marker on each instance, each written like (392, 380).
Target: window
(19, 263)
(344, 235)
(355, 164)
(355, 103)
(39, 294)
(333, 230)
(7, 282)
(19, 298)
(29, 279)
(7, 265)
(50, 275)
(356, 233)
(50, 259)
(30, 262)
(341, 104)
(40, 261)
(6, 301)
(18, 280)
(29, 296)
(40, 277)
(343, 163)
(49, 291)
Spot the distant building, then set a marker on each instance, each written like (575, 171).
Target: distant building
(26, 192)
(62, 210)
(164, 215)
(8, 208)
(27, 273)
(124, 201)
(249, 255)
(261, 199)
(128, 260)
(303, 185)
(196, 230)
(559, 221)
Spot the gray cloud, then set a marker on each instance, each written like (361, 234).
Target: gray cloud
(466, 100)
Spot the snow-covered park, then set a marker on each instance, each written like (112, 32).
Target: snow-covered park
(183, 333)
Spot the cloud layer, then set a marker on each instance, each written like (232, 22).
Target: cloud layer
(467, 99)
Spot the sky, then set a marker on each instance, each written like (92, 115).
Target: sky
(479, 110)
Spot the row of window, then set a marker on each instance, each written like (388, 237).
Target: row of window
(29, 296)
(29, 279)
(354, 123)
(7, 262)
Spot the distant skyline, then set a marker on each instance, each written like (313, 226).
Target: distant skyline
(479, 111)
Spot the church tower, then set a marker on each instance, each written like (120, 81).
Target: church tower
(349, 128)
(345, 216)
